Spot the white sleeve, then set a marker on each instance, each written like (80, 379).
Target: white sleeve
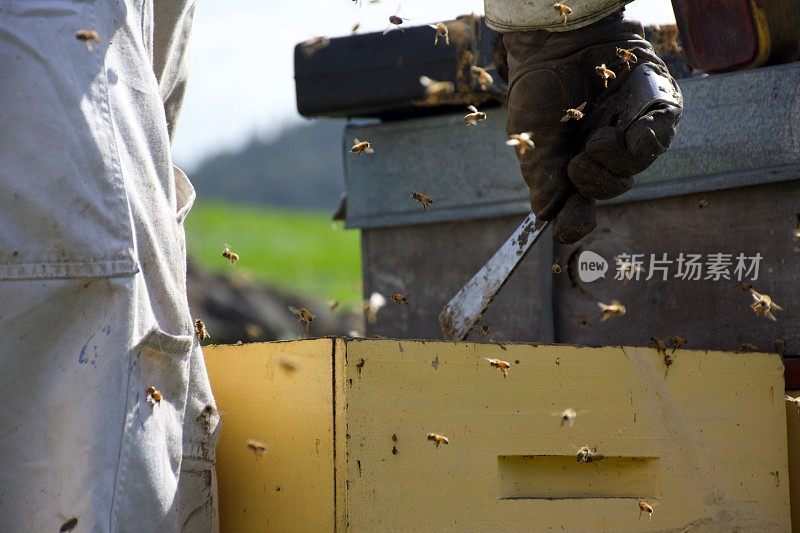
(527, 15)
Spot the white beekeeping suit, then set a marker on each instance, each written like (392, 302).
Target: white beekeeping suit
(93, 307)
(527, 15)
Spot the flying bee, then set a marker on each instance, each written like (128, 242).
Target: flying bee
(702, 204)
(474, 116)
(288, 365)
(567, 417)
(200, 330)
(483, 78)
(153, 395)
(360, 147)
(575, 114)
(372, 305)
(521, 141)
(627, 56)
(605, 74)
(795, 401)
(229, 255)
(499, 363)
(69, 525)
(400, 298)
(395, 21)
(88, 37)
(334, 304)
(564, 10)
(747, 347)
(258, 447)
(423, 199)
(676, 342)
(763, 305)
(434, 89)
(438, 439)
(441, 31)
(645, 507)
(556, 268)
(315, 44)
(303, 315)
(485, 330)
(355, 27)
(615, 308)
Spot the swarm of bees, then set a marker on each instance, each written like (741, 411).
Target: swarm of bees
(400, 298)
(588, 455)
(434, 88)
(763, 305)
(423, 199)
(645, 507)
(438, 439)
(564, 10)
(229, 255)
(360, 147)
(627, 56)
(605, 74)
(303, 315)
(795, 401)
(88, 37)
(522, 142)
(499, 363)
(441, 31)
(200, 330)
(574, 114)
(483, 78)
(615, 308)
(474, 116)
(153, 395)
(258, 447)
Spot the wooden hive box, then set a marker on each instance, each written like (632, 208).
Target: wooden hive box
(346, 422)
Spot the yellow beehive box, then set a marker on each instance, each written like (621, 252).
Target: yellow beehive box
(346, 425)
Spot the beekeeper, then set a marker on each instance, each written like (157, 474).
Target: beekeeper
(107, 422)
(563, 55)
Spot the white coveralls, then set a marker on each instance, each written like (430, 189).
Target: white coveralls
(93, 306)
(527, 15)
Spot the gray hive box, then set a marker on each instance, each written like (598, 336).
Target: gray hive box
(737, 151)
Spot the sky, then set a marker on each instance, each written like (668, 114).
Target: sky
(242, 52)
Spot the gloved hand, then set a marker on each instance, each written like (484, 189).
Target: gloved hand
(625, 126)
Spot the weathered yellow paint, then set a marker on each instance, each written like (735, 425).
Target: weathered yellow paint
(793, 437)
(704, 443)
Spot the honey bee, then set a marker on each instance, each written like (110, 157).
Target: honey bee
(483, 78)
(645, 507)
(423, 199)
(485, 330)
(521, 141)
(288, 365)
(438, 439)
(474, 116)
(355, 27)
(588, 455)
(395, 21)
(303, 315)
(200, 330)
(334, 304)
(441, 31)
(702, 204)
(615, 308)
(795, 401)
(315, 44)
(153, 395)
(605, 74)
(575, 114)
(658, 344)
(229, 255)
(400, 298)
(676, 342)
(258, 447)
(88, 37)
(747, 347)
(763, 305)
(361, 146)
(564, 10)
(499, 363)
(556, 268)
(627, 56)
(435, 88)
(69, 525)
(373, 305)
(568, 417)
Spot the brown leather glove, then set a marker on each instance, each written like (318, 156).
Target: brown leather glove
(625, 126)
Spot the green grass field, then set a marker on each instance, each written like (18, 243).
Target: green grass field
(295, 250)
